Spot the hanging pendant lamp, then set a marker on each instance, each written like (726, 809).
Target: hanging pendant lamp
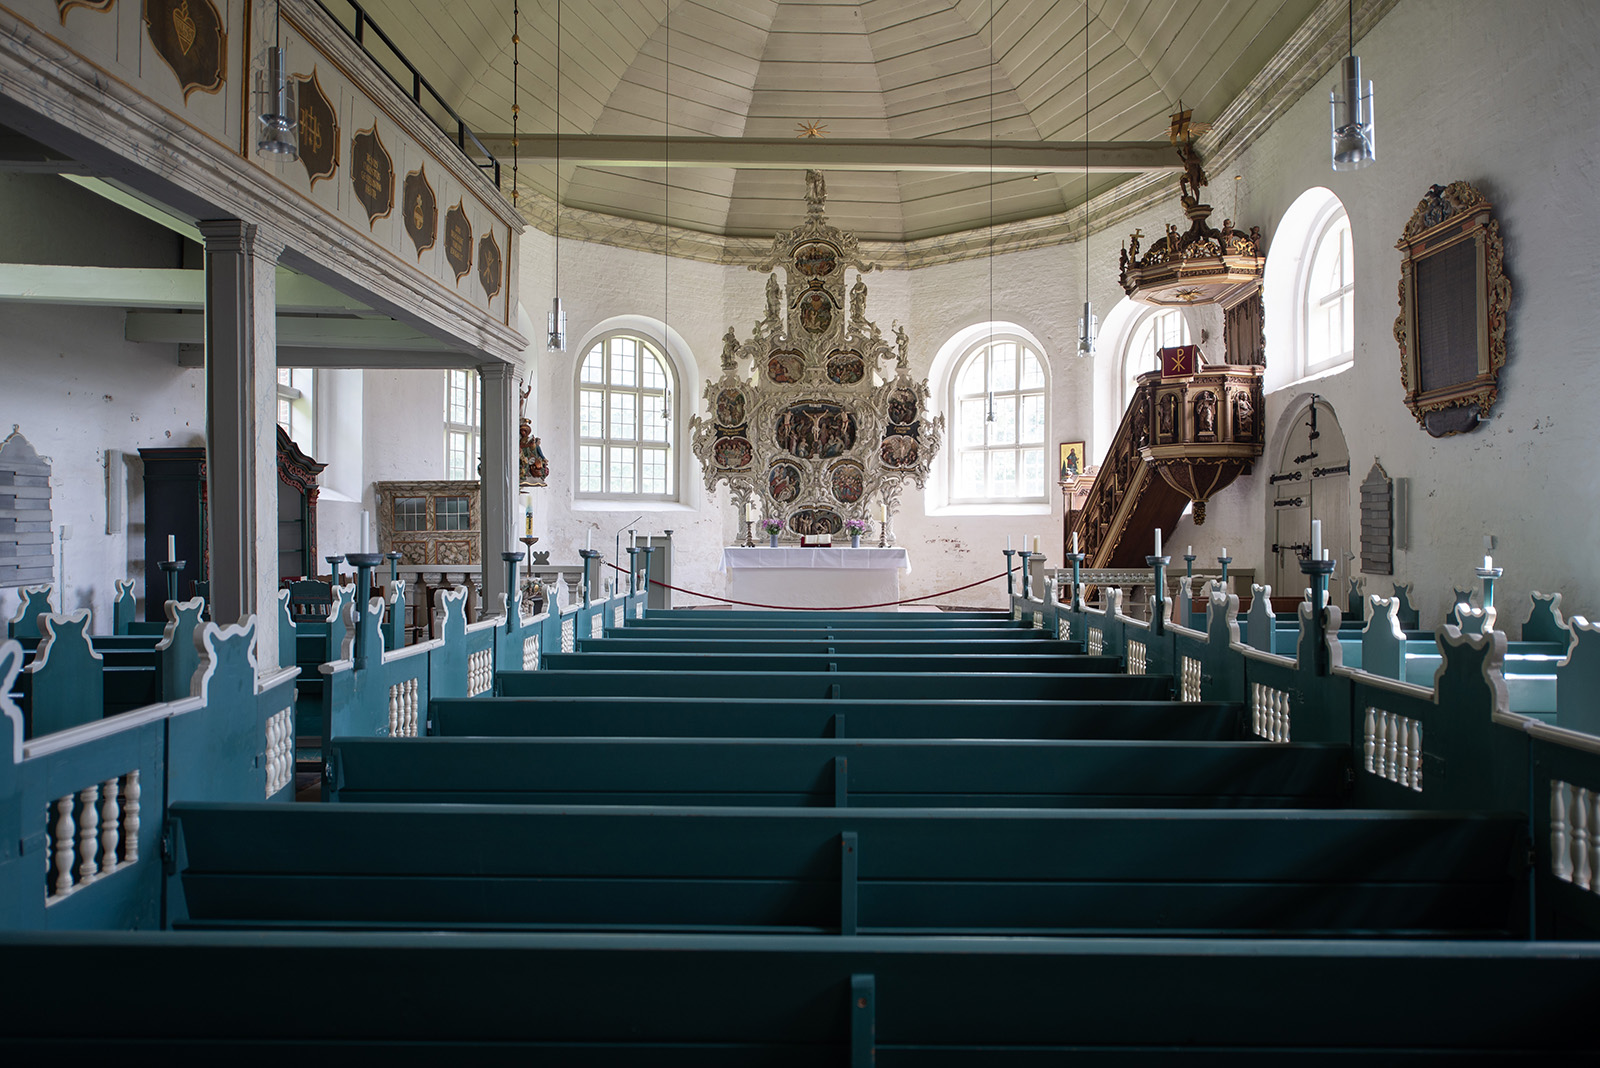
(276, 117)
(1088, 324)
(556, 332)
(1351, 106)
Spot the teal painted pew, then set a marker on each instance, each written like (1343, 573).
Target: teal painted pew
(832, 685)
(751, 647)
(842, 620)
(767, 717)
(836, 661)
(854, 773)
(636, 632)
(850, 871)
(799, 1002)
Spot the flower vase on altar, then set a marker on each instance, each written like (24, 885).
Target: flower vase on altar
(772, 540)
(855, 541)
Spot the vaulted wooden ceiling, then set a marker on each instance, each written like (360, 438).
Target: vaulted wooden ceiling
(1008, 70)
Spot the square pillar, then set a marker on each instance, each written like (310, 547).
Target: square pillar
(498, 478)
(241, 418)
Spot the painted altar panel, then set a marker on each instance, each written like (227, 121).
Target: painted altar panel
(807, 425)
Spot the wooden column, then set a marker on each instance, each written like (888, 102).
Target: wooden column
(241, 423)
(499, 481)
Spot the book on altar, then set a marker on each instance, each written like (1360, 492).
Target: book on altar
(816, 541)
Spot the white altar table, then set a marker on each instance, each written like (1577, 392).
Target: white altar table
(794, 577)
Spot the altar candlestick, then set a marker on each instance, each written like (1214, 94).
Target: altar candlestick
(1316, 539)
(172, 547)
(883, 512)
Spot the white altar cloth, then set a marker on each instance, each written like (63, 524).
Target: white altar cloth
(794, 577)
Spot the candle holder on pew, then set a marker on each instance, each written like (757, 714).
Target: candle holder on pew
(633, 570)
(393, 557)
(527, 593)
(171, 569)
(1011, 589)
(1224, 561)
(589, 580)
(1076, 560)
(1158, 604)
(1318, 571)
(364, 563)
(333, 568)
(1488, 575)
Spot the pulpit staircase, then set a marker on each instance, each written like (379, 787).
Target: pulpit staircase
(816, 838)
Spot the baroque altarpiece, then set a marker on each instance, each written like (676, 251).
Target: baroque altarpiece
(802, 424)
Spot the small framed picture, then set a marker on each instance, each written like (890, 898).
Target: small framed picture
(1072, 461)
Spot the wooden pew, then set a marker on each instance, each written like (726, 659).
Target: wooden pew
(673, 618)
(841, 634)
(854, 773)
(790, 717)
(855, 646)
(927, 685)
(797, 1002)
(1322, 874)
(878, 663)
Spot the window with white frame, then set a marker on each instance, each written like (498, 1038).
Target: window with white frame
(625, 420)
(296, 406)
(1160, 328)
(1329, 308)
(463, 424)
(1000, 409)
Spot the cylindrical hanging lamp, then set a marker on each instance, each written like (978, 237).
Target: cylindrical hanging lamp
(1350, 103)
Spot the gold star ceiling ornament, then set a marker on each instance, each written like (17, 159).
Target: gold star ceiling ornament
(810, 129)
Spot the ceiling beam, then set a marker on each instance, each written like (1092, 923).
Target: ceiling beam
(151, 287)
(293, 332)
(1027, 157)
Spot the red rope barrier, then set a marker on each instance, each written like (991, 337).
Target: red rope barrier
(792, 608)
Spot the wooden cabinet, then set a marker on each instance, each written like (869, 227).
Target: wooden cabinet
(430, 523)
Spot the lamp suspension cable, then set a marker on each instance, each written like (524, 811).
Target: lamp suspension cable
(516, 96)
(1087, 324)
(556, 339)
(988, 361)
(666, 197)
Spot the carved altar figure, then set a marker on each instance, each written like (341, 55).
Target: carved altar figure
(817, 435)
(532, 468)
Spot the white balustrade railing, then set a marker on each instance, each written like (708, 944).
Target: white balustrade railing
(596, 625)
(1189, 679)
(280, 750)
(1138, 657)
(1392, 747)
(91, 834)
(569, 635)
(480, 672)
(1575, 835)
(1096, 645)
(530, 653)
(1269, 712)
(616, 615)
(403, 709)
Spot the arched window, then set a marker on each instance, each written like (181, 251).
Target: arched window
(625, 420)
(1329, 307)
(1160, 328)
(1000, 415)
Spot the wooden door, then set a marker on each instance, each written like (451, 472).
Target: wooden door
(1312, 481)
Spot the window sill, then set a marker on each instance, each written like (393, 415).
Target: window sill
(624, 504)
(1318, 375)
(1017, 508)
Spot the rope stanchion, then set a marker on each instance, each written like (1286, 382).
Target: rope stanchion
(800, 608)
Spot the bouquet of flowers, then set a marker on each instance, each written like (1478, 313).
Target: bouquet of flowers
(855, 526)
(772, 526)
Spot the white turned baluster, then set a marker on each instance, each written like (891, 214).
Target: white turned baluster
(110, 825)
(1594, 839)
(1560, 845)
(1416, 755)
(1370, 746)
(1580, 837)
(1403, 761)
(66, 843)
(1381, 748)
(88, 834)
(1392, 769)
(130, 817)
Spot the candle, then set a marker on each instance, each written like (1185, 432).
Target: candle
(1316, 539)
(1224, 551)
(527, 521)
(364, 528)
(1158, 541)
(172, 548)
(588, 540)
(1324, 554)
(1036, 543)
(1188, 550)
(1008, 541)
(1488, 562)
(883, 512)
(749, 511)
(1074, 541)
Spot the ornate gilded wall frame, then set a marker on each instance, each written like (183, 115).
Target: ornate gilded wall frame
(1454, 299)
